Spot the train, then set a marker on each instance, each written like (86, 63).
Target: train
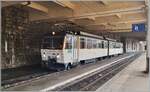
(63, 50)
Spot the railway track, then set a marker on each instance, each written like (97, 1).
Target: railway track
(92, 82)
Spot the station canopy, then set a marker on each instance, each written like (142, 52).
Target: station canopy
(116, 17)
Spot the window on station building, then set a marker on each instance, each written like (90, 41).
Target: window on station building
(82, 43)
(89, 43)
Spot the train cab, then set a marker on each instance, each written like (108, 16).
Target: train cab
(62, 50)
(59, 50)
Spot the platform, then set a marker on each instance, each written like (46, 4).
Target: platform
(130, 79)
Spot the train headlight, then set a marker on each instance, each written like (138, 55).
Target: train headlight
(58, 56)
(44, 55)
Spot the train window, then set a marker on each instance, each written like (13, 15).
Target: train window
(94, 43)
(118, 45)
(105, 44)
(68, 42)
(53, 42)
(114, 45)
(132, 45)
(100, 44)
(111, 45)
(75, 42)
(89, 43)
(82, 43)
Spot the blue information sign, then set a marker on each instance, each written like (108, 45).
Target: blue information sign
(138, 27)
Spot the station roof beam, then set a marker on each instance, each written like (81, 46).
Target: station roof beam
(65, 3)
(112, 12)
(36, 6)
(104, 2)
(118, 15)
(5, 3)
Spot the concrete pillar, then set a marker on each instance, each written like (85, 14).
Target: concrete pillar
(123, 40)
(148, 37)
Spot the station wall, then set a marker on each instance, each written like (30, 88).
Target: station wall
(21, 44)
(16, 45)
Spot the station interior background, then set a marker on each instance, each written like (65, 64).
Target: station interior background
(24, 23)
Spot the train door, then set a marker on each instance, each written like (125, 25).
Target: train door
(108, 48)
(71, 49)
(75, 50)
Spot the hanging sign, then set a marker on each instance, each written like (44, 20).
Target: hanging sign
(138, 27)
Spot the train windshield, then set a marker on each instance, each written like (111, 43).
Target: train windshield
(53, 42)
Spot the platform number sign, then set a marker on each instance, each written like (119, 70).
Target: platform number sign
(138, 27)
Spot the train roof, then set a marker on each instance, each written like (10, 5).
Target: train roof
(91, 35)
(96, 36)
(111, 39)
(81, 33)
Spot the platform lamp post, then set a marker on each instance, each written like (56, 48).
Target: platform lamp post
(148, 37)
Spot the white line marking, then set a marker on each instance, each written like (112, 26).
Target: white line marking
(84, 74)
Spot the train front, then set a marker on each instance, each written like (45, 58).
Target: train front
(52, 50)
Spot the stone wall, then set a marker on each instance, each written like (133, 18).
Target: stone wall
(15, 49)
